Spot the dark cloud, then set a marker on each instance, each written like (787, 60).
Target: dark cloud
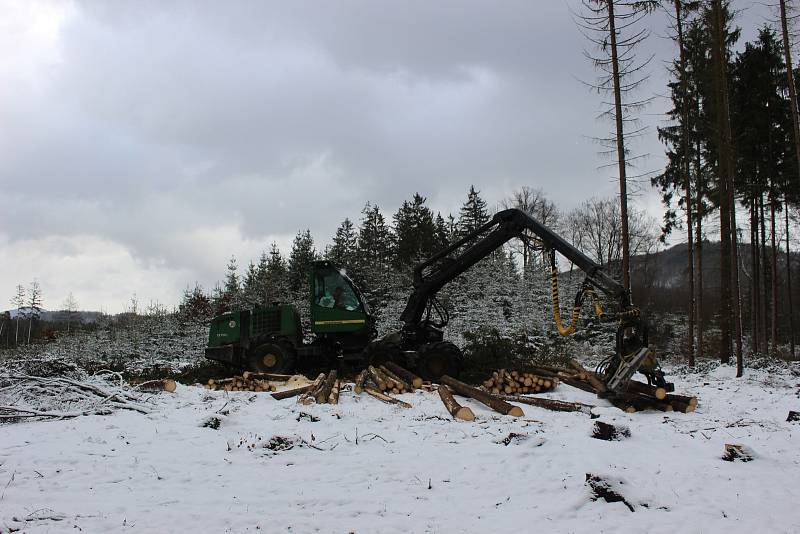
(178, 133)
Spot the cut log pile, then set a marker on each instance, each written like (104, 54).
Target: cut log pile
(503, 386)
(389, 378)
(638, 396)
(247, 381)
(516, 382)
(324, 390)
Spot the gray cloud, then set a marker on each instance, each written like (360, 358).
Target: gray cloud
(159, 138)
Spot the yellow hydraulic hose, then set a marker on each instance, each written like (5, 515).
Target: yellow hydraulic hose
(576, 310)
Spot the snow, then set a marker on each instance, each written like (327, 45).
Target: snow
(365, 466)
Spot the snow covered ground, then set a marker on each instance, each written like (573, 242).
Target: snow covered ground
(364, 466)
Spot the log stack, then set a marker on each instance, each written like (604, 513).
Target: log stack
(504, 382)
(380, 381)
(245, 382)
(383, 380)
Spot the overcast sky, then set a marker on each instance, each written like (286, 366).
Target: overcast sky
(144, 142)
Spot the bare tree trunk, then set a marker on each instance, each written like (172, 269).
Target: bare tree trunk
(774, 282)
(736, 294)
(699, 252)
(787, 57)
(754, 278)
(789, 281)
(623, 185)
(686, 179)
(764, 299)
(723, 175)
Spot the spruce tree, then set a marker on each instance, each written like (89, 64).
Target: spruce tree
(343, 249)
(416, 233)
(277, 289)
(473, 213)
(300, 259)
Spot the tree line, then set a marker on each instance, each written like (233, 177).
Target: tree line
(732, 146)
(508, 291)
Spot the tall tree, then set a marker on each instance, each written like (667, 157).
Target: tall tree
(18, 301)
(473, 213)
(343, 249)
(415, 232)
(71, 307)
(677, 137)
(232, 290)
(34, 305)
(604, 22)
(300, 259)
(277, 275)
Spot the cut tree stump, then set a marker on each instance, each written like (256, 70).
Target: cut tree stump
(552, 404)
(289, 393)
(455, 409)
(408, 376)
(609, 432)
(495, 403)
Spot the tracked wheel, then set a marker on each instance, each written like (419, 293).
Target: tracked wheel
(272, 356)
(437, 359)
(380, 352)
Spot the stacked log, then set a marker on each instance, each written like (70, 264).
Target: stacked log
(383, 380)
(503, 382)
(244, 382)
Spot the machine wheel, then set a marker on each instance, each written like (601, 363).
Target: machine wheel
(272, 356)
(380, 352)
(437, 359)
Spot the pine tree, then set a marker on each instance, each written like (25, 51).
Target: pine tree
(473, 213)
(262, 280)
(232, 291)
(71, 307)
(415, 231)
(300, 259)
(277, 277)
(250, 294)
(343, 250)
(34, 305)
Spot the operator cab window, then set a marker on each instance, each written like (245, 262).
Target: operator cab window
(333, 290)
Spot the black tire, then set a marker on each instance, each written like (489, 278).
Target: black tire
(379, 352)
(272, 356)
(437, 359)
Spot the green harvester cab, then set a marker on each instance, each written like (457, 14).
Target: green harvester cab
(271, 338)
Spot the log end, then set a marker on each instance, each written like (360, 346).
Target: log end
(464, 414)
(516, 411)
